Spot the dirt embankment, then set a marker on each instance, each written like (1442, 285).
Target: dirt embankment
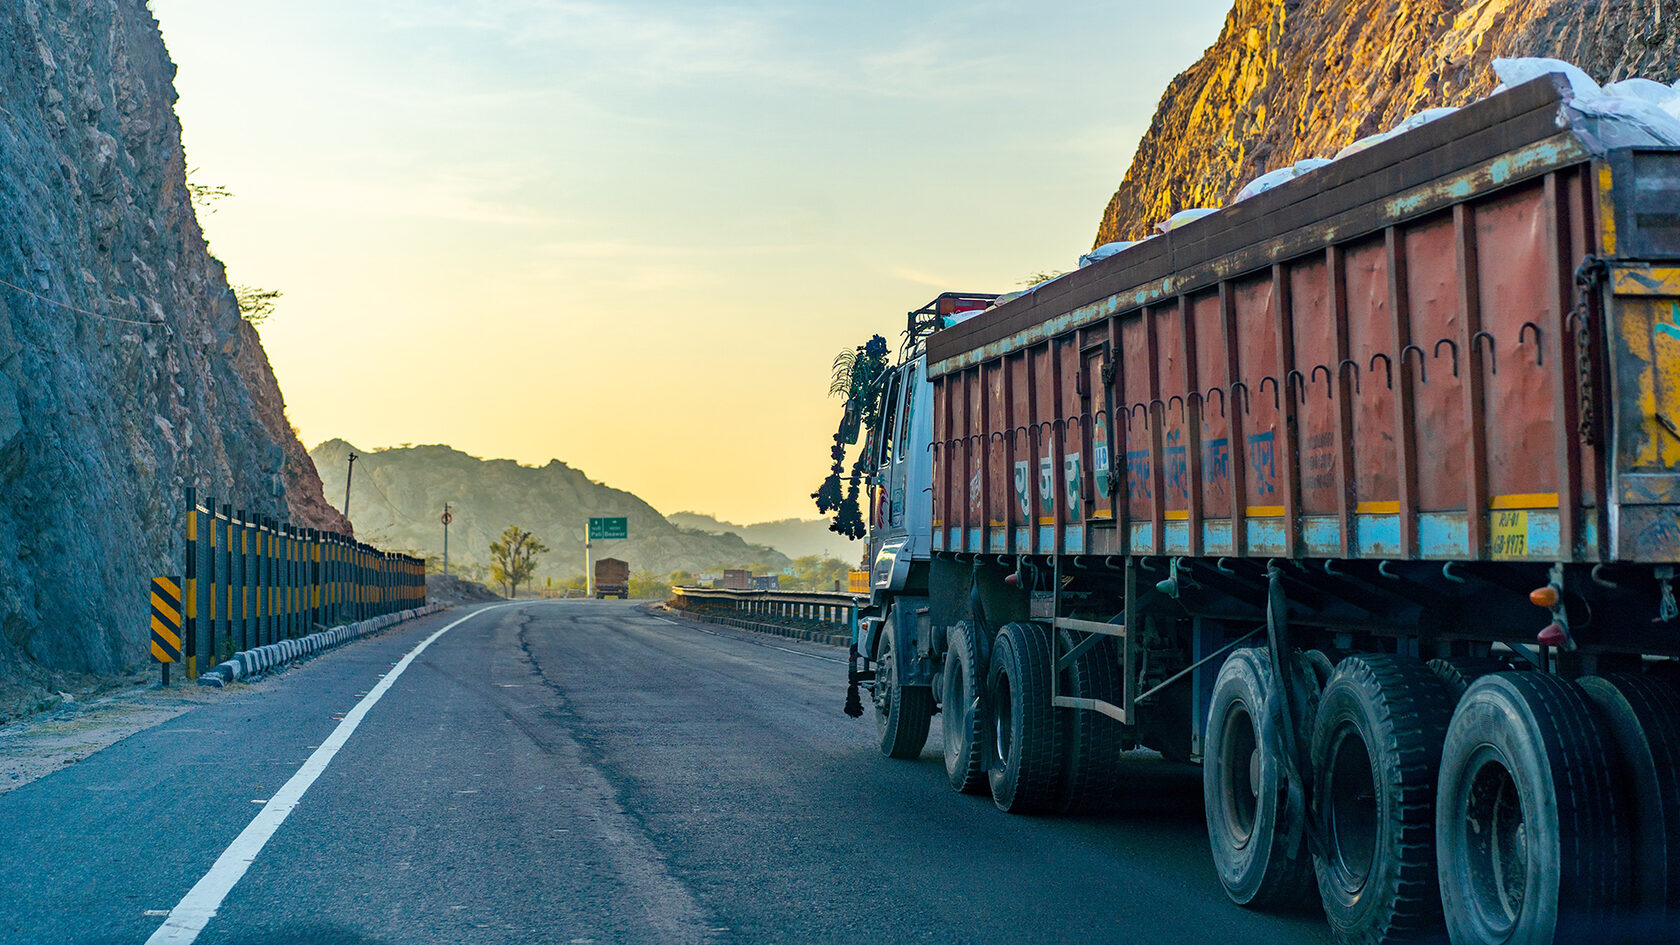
(1293, 79)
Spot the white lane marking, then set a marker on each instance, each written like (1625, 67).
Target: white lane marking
(199, 905)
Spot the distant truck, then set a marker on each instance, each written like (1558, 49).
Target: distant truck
(736, 580)
(612, 578)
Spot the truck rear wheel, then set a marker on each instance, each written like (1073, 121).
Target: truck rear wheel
(962, 717)
(1530, 827)
(902, 713)
(1250, 821)
(1026, 745)
(1643, 718)
(1092, 741)
(1376, 752)
(1458, 672)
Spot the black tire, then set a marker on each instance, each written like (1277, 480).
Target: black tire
(963, 714)
(1244, 789)
(1458, 672)
(1025, 743)
(902, 713)
(1091, 741)
(1322, 666)
(1376, 752)
(1643, 718)
(1530, 824)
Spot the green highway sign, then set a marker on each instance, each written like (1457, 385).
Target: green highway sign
(607, 528)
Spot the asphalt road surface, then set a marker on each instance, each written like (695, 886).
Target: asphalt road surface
(583, 771)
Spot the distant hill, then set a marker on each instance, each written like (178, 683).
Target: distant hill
(794, 537)
(398, 494)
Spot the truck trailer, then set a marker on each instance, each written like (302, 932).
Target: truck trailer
(612, 578)
(1363, 494)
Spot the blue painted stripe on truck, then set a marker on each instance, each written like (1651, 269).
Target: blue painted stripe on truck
(1073, 540)
(974, 540)
(1322, 534)
(1216, 537)
(1143, 538)
(1443, 535)
(1377, 535)
(1176, 538)
(1265, 535)
(997, 540)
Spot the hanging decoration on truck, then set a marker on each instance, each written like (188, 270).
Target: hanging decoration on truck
(855, 375)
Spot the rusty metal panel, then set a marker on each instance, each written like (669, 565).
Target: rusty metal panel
(997, 470)
(1138, 423)
(1368, 378)
(1310, 381)
(941, 450)
(1208, 403)
(1518, 284)
(1259, 396)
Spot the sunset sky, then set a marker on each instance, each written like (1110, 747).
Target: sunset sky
(633, 236)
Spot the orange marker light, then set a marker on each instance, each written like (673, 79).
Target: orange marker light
(1546, 597)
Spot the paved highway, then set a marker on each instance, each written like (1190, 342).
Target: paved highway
(583, 771)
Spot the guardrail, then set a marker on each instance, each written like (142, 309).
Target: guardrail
(252, 580)
(809, 615)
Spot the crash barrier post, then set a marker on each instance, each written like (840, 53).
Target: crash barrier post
(252, 579)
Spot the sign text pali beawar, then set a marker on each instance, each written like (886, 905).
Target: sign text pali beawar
(601, 529)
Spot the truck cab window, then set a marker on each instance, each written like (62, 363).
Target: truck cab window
(889, 403)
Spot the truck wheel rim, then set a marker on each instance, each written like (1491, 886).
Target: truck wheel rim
(1239, 773)
(956, 703)
(1001, 714)
(1353, 808)
(1495, 842)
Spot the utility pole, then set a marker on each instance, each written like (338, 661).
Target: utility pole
(447, 518)
(347, 477)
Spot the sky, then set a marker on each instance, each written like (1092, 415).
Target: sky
(633, 235)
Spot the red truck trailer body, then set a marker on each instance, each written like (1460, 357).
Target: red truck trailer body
(1410, 372)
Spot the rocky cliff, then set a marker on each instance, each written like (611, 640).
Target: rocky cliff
(126, 372)
(397, 495)
(1293, 79)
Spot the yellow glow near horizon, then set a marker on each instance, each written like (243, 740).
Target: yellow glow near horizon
(632, 236)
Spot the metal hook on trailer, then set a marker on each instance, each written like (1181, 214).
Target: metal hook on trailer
(1341, 369)
(1221, 392)
(1276, 405)
(1453, 346)
(1328, 395)
(1108, 562)
(1492, 349)
(1447, 572)
(1423, 369)
(1220, 566)
(1244, 386)
(1539, 350)
(1599, 579)
(1388, 368)
(1330, 568)
(1296, 383)
(1382, 569)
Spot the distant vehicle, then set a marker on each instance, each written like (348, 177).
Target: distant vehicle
(736, 580)
(767, 582)
(612, 578)
(1364, 494)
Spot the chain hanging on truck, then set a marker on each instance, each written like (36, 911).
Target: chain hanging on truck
(1589, 276)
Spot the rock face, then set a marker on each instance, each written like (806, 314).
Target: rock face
(126, 372)
(397, 496)
(1293, 79)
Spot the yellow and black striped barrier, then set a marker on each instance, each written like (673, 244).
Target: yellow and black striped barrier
(252, 580)
(166, 622)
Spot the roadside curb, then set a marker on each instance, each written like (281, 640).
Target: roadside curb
(264, 658)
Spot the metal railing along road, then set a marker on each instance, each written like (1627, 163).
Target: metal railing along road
(252, 580)
(831, 611)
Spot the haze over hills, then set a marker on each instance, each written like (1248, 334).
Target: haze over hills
(794, 537)
(397, 496)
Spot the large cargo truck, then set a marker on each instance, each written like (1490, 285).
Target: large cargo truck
(612, 578)
(1363, 494)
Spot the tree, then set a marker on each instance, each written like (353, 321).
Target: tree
(513, 558)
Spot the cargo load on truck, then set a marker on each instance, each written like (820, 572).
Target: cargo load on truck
(1363, 493)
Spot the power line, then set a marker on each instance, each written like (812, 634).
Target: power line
(41, 298)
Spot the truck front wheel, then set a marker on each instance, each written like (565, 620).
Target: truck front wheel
(902, 713)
